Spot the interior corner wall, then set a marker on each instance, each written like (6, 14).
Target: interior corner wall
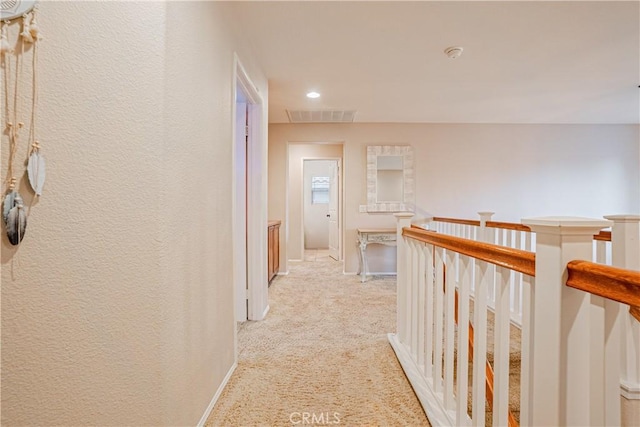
(117, 308)
(514, 170)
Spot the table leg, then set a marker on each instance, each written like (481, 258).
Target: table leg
(363, 261)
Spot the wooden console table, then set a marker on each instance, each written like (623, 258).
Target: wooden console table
(273, 249)
(382, 236)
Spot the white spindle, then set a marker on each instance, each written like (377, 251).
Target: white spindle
(429, 311)
(483, 278)
(421, 271)
(463, 340)
(409, 296)
(525, 351)
(414, 298)
(449, 323)
(509, 235)
(439, 313)
(501, 348)
(601, 251)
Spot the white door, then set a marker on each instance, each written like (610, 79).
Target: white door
(334, 220)
(240, 212)
(249, 222)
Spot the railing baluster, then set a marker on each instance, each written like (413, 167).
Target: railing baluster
(439, 313)
(501, 349)
(525, 349)
(449, 323)
(413, 273)
(429, 311)
(480, 342)
(464, 286)
(420, 251)
(407, 295)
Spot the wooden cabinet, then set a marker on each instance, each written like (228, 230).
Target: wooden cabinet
(273, 249)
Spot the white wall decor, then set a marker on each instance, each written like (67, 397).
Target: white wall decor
(385, 193)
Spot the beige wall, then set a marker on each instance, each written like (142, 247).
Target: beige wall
(513, 170)
(117, 309)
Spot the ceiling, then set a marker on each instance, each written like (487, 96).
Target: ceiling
(523, 62)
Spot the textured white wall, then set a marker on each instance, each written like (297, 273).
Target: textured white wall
(513, 170)
(117, 307)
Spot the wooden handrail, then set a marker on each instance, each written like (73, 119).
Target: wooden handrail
(614, 283)
(603, 236)
(508, 225)
(635, 312)
(513, 259)
(457, 221)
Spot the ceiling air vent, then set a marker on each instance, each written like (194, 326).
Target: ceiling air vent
(321, 116)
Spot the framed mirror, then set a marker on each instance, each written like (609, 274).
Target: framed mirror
(390, 178)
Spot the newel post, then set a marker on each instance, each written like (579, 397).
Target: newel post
(561, 336)
(625, 253)
(403, 219)
(484, 235)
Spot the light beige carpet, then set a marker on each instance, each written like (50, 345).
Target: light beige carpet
(322, 353)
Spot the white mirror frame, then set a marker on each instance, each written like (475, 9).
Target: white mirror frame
(373, 151)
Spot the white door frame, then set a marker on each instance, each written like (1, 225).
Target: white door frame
(340, 205)
(256, 210)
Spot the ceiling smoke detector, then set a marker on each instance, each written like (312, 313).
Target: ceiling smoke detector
(453, 52)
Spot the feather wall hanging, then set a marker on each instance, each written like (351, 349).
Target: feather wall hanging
(14, 211)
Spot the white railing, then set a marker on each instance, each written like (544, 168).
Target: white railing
(520, 237)
(510, 235)
(570, 346)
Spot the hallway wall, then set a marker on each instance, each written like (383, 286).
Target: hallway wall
(514, 170)
(117, 308)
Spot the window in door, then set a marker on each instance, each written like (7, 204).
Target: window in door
(319, 190)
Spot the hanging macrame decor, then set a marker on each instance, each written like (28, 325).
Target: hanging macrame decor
(12, 57)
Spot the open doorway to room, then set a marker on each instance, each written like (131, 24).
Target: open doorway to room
(314, 201)
(248, 211)
(321, 207)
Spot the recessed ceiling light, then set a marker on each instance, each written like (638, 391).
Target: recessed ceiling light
(313, 95)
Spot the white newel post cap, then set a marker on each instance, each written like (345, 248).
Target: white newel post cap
(486, 214)
(623, 218)
(403, 217)
(567, 225)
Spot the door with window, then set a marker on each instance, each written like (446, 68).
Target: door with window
(321, 206)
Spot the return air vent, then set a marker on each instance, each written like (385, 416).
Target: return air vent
(321, 116)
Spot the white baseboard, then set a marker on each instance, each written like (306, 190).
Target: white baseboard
(392, 273)
(431, 403)
(226, 379)
(264, 313)
(283, 273)
(630, 391)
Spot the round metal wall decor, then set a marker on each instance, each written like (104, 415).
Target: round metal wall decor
(11, 9)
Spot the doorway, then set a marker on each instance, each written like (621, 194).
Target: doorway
(249, 216)
(321, 203)
(297, 154)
